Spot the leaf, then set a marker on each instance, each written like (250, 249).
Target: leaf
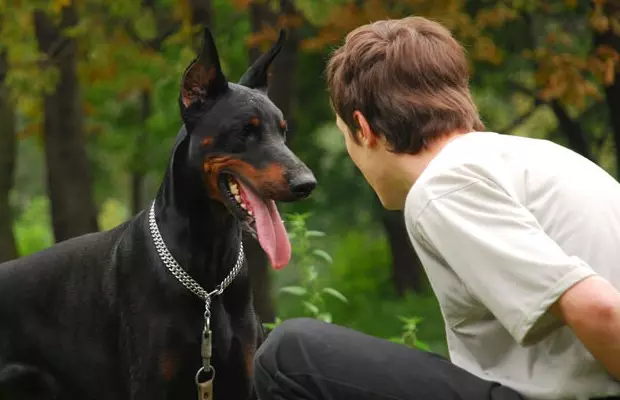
(241, 4)
(312, 273)
(315, 234)
(58, 5)
(325, 317)
(421, 345)
(323, 254)
(410, 320)
(334, 293)
(397, 339)
(311, 307)
(145, 25)
(294, 290)
(271, 325)
(81, 28)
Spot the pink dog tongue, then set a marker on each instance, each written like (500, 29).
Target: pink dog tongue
(272, 235)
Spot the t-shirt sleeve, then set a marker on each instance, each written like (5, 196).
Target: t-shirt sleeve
(502, 255)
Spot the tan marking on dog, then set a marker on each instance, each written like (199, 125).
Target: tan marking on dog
(268, 178)
(168, 366)
(255, 121)
(249, 361)
(283, 124)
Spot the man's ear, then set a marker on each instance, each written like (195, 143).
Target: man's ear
(364, 133)
(203, 79)
(256, 76)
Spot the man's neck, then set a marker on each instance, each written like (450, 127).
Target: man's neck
(411, 166)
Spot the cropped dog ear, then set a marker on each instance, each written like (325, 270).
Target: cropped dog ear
(256, 76)
(203, 78)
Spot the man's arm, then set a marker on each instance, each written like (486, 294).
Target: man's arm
(592, 309)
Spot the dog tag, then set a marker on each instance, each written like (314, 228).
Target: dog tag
(205, 390)
(205, 386)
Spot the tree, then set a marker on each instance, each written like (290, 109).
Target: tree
(606, 25)
(407, 272)
(281, 90)
(165, 26)
(8, 150)
(69, 176)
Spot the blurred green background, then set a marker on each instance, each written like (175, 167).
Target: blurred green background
(88, 115)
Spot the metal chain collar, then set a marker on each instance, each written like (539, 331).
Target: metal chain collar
(181, 275)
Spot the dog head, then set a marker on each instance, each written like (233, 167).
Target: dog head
(235, 142)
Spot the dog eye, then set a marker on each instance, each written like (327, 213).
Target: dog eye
(250, 130)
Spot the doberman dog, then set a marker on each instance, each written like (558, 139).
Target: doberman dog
(115, 314)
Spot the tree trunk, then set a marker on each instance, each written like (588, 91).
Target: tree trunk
(281, 91)
(165, 27)
(612, 92)
(8, 150)
(257, 260)
(572, 129)
(406, 267)
(202, 15)
(137, 168)
(69, 176)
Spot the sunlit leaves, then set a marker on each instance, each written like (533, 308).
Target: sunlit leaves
(58, 5)
(562, 68)
(145, 25)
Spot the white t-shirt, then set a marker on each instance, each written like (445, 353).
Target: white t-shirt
(503, 226)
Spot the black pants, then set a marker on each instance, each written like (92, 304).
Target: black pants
(311, 360)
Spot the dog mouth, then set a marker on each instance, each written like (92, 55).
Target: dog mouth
(259, 216)
(237, 202)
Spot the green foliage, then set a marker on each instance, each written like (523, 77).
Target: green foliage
(364, 299)
(361, 271)
(310, 291)
(409, 336)
(32, 227)
(112, 214)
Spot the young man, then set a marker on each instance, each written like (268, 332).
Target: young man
(519, 237)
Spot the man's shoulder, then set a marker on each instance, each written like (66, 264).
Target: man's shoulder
(462, 162)
(479, 157)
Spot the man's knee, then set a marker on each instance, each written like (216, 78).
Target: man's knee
(285, 343)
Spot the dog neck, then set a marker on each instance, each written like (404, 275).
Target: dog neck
(199, 232)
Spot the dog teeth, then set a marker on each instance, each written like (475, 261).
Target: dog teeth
(233, 188)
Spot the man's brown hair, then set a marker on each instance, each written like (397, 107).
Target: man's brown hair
(410, 79)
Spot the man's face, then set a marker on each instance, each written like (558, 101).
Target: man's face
(373, 159)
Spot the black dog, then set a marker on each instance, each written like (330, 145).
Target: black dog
(102, 316)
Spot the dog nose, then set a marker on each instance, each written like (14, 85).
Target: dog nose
(303, 186)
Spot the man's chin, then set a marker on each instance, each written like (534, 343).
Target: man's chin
(391, 204)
